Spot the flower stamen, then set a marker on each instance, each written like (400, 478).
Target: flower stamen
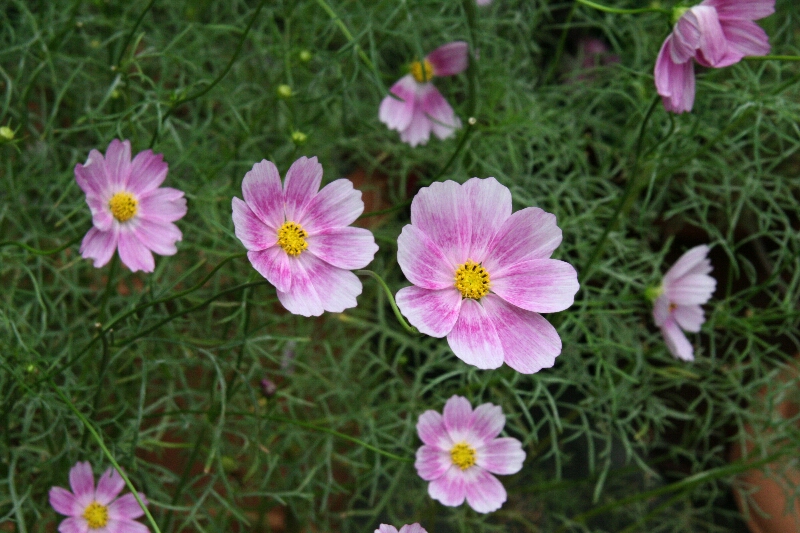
(96, 515)
(124, 206)
(463, 455)
(421, 70)
(472, 280)
(292, 238)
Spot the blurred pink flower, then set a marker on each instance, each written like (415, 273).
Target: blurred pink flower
(419, 107)
(298, 237)
(715, 33)
(461, 451)
(483, 2)
(91, 509)
(130, 212)
(686, 286)
(408, 528)
(481, 275)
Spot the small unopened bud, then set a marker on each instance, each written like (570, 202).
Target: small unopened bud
(6, 133)
(284, 91)
(472, 121)
(299, 138)
(305, 56)
(268, 388)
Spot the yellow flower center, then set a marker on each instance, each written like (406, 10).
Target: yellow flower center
(463, 455)
(472, 280)
(292, 238)
(123, 206)
(96, 515)
(421, 70)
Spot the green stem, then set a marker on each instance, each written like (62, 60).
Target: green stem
(107, 453)
(409, 328)
(776, 58)
(130, 35)
(112, 273)
(562, 42)
(620, 11)
(216, 80)
(36, 251)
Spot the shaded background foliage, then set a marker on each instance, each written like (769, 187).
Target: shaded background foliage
(167, 366)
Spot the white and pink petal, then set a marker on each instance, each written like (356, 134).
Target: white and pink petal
(449, 59)
(147, 172)
(336, 205)
(99, 246)
(474, 339)
(539, 285)
(262, 191)
(133, 253)
(450, 489)
(441, 211)
(490, 205)
(501, 456)
(347, 247)
(422, 261)
(109, 486)
(126, 507)
(487, 423)
(300, 187)
(397, 113)
(432, 462)
(250, 229)
(530, 233)
(318, 287)
(432, 431)
(432, 312)
(484, 492)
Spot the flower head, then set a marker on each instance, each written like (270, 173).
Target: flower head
(99, 509)
(298, 236)
(461, 451)
(408, 528)
(715, 33)
(130, 212)
(481, 275)
(417, 107)
(685, 287)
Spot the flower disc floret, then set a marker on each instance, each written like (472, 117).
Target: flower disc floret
(292, 238)
(96, 515)
(463, 455)
(123, 206)
(421, 70)
(472, 280)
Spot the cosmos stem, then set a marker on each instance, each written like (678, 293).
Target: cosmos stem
(408, 327)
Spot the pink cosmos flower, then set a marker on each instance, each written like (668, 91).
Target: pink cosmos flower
(298, 237)
(130, 212)
(461, 451)
(421, 108)
(715, 33)
(97, 510)
(408, 528)
(481, 275)
(686, 286)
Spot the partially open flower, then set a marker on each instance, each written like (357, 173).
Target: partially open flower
(417, 107)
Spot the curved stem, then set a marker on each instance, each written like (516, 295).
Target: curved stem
(620, 11)
(130, 35)
(36, 251)
(409, 328)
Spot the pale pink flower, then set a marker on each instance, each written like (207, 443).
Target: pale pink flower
(419, 107)
(685, 287)
(97, 510)
(483, 2)
(481, 275)
(408, 528)
(461, 451)
(715, 33)
(298, 236)
(130, 212)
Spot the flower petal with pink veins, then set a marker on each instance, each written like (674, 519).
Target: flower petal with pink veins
(490, 205)
(300, 186)
(160, 237)
(484, 492)
(539, 285)
(741, 9)
(676, 341)
(530, 233)
(443, 121)
(126, 507)
(457, 417)
(262, 191)
(75, 524)
(318, 287)
(449, 59)
(123, 526)
(81, 479)
(661, 312)
(713, 45)
(442, 212)
(432, 462)
(148, 171)
(674, 82)
(450, 489)
(431, 430)
(412, 528)
(689, 317)
(422, 261)
(418, 130)
(64, 502)
(397, 114)
(432, 312)
(473, 338)
(275, 265)
(529, 341)
(101, 213)
(335, 206)
(693, 261)
(348, 248)
(691, 290)
(91, 176)
(99, 245)
(501, 456)
(745, 38)
(385, 528)
(118, 164)
(162, 205)
(109, 486)
(133, 253)
(487, 423)
(685, 38)
(251, 230)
